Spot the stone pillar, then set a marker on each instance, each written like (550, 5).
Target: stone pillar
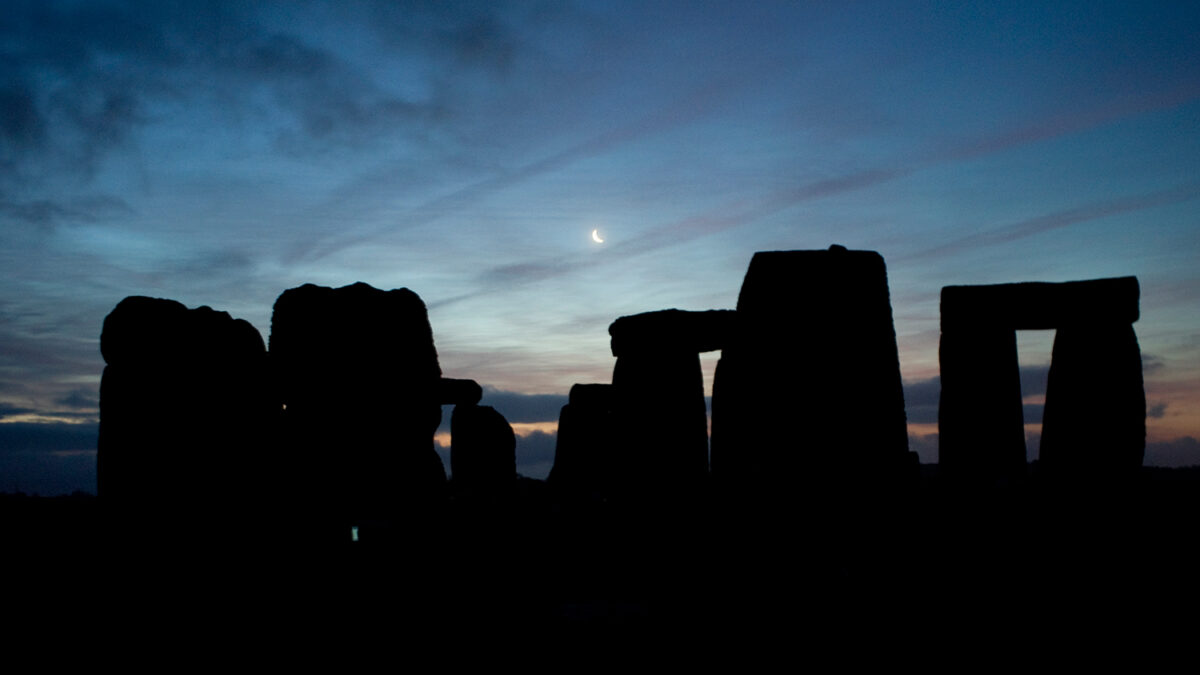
(661, 421)
(483, 449)
(359, 376)
(584, 459)
(185, 417)
(808, 392)
(1094, 425)
(981, 428)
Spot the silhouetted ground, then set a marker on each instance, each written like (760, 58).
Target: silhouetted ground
(933, 562)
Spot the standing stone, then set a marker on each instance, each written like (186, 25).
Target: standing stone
(185, 416)
(1094, 423)
(483, 449)
(659, 411)
(808, 392)
(359, 378)
(981, 432)
(584, 461)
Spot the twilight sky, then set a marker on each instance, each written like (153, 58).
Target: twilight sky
(218, 153)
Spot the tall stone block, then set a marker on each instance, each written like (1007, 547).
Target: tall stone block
(808, 390)
(661, 420)
(584, 457)
(359, 378)
(483, 449)
(185, 412)
(981, 432)
(659, 412)
(1094, 424)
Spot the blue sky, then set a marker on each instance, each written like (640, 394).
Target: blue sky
(218, 153)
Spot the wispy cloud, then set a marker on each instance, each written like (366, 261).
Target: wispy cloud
(1057, 220)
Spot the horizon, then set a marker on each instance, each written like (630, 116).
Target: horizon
(220, 155)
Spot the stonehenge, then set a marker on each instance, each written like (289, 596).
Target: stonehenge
(339, 414)
(1094, 424)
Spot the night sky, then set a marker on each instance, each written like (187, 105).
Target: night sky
(218, 153)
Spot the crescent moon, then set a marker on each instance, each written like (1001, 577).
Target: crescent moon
(596, 237)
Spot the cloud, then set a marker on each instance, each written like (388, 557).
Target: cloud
(1059, 219)
(524, 407)
(1157, 411)
(535, 454)
(46, 213)
(47, 437)
(926, 447)
(80, 398)
(9, 410)
(1183, 451)
(922, 396)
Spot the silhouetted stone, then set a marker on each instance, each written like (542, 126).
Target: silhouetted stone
(1094, 421)
(658, 407)
(672, 330)
(583, 457)
(483, 449)
(1041, 305)
(185, 412)
(359, 378)
(808, 394)
(981, 433)
(1094, 424)
(459, 392)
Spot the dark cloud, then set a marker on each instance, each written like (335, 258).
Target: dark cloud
(45, 213)
(535, 454)
(925, 446)
(22, 126)
(1183, 451)
(1157, 411)
(80, 398)
(1151, 364)
(921, 397)
(9, 410)
(483, 42)
(1033, 412)
(524, 407)
(47, 437)
(1033, 379)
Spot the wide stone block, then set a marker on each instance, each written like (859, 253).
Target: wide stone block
(1041, 305)
(672, 330)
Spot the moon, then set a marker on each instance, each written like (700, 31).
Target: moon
(596, 237)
